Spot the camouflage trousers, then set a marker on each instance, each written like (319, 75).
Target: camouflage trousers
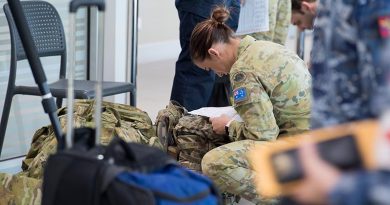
(230, 170)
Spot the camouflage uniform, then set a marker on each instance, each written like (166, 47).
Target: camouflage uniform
(272, 95)
(126, 122)
(279, 21)
(350, 61)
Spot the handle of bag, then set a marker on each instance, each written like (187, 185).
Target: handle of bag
(73, 6)
(76, 4)
(119, 149)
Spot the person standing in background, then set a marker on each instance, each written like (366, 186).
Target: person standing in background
(351, 79)
(279, 12)
(304, 13)
(192, 87)
(350, 61)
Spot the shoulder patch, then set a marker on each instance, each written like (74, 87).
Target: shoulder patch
(240, 94)
(239, 76)
(384, 26)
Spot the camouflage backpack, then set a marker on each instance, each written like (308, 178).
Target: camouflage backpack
(126, 122)
(189, 137)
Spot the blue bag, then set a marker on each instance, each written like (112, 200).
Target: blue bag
(174, 185)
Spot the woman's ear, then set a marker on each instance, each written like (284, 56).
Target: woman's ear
(213, 52)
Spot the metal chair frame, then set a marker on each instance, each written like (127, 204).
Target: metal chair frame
(48, 33)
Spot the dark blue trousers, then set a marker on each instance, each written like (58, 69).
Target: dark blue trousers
(192, 86)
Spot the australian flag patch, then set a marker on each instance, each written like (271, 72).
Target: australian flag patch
(384, 26)
(240, 94)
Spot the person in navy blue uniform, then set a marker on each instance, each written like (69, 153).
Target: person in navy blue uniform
(193, 87)
(351, 79)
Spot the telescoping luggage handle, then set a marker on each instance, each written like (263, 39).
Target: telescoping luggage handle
(30, 49)
(73, 7)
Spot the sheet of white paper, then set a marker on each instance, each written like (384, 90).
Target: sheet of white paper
(253, 17)
(217, 111)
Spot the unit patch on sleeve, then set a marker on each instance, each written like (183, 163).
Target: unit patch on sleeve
(240, 94)
(384, 26)
(239, 77)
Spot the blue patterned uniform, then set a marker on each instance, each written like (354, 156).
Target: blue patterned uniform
(350, 71)
(350, 60)
(361, 188)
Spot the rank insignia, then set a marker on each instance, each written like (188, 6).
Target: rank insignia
(384, 26)
(239, 77)
(240, 94)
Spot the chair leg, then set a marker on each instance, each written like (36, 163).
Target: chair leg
(59, 102)
(4, 118)
(132, 98)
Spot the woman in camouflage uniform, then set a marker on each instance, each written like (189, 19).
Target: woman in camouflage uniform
(271, 90)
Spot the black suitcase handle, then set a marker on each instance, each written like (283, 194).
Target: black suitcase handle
(75, 4)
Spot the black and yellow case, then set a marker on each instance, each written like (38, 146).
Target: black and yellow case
(347, 146)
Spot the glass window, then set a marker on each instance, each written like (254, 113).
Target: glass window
(27, 114)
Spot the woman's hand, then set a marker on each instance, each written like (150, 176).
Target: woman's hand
(219, 123)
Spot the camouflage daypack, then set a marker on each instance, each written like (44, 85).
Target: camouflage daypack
(191, 136)
(126, 122)
(194, 137)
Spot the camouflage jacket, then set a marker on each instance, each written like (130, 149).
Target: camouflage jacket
(126, 122)
(279, 21)
(271, 91)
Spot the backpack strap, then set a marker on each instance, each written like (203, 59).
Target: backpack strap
(136, 157)
(109, 175)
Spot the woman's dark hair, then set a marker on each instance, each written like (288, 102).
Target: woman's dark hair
(212, 30)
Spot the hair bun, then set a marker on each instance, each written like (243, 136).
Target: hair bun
(220, 14)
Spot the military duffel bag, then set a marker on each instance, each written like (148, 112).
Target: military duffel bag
(129, 123)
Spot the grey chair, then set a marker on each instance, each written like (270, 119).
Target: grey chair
(48, 33)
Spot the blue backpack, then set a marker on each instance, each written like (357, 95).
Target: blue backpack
(121, 173)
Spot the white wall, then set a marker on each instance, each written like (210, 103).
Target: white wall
(158, 34)
(159, 31)
(158, 37)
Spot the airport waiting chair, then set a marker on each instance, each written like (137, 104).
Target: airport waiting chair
(48, 33)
